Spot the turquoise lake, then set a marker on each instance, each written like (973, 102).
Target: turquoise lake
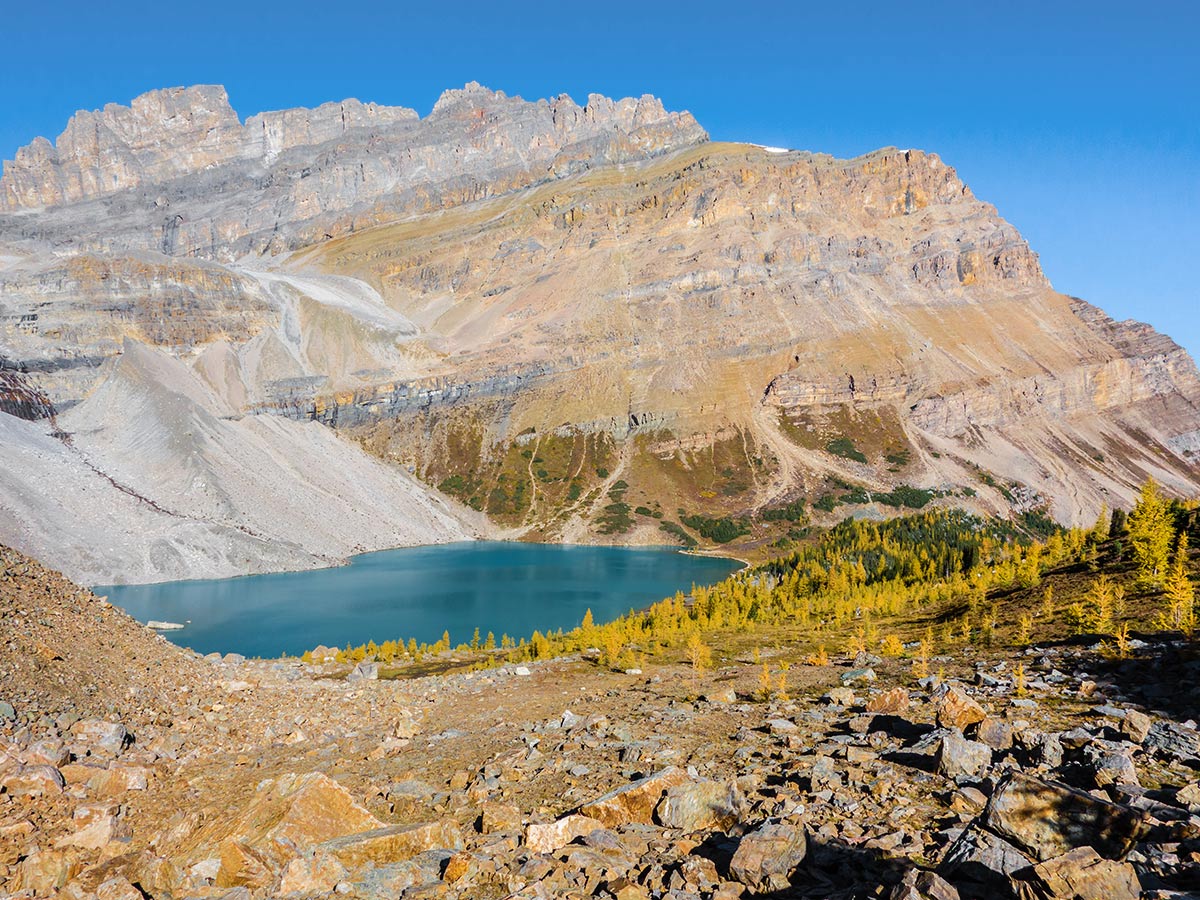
(418, 592)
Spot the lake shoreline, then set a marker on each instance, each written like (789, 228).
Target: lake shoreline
(342, 562)
(507, 587)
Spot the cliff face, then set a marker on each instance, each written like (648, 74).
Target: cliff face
(176, 172)
(553, 311)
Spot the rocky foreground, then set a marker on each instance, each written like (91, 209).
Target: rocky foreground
(130, 768)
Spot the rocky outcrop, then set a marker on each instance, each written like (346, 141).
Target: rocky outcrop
(177, 172)
(19, 397)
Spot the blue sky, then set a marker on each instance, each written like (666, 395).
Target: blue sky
(1080, 121)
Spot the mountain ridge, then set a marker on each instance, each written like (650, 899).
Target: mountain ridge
(589, 322)
(129, 166)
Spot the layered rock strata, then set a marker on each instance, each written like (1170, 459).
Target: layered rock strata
(720, 328)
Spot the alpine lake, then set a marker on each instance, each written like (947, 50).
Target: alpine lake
(418, 592)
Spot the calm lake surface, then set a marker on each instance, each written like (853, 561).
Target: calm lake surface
(418, 592)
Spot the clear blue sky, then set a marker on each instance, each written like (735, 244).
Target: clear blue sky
(1080, 121)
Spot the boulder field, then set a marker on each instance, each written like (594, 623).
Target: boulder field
(131, 768)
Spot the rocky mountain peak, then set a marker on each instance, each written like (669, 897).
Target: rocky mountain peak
(470, 94)
(165, 134)
(178, 173)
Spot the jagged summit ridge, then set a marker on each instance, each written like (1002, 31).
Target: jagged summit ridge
(165, 134)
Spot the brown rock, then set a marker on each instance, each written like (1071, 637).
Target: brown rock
(307, 876)
(285, 818)
(546, 838)
(14, 836)
(700, 804)
(890, 702)
(1189, 796)
(303, 810)
(244, 866)
(119, 888)
(765, 859)
(1081, 875)
(32, 781)
(44, 871)
(499, 817)
(1049, 819)
(96, 834)
(457, 866)
(968, 800)
(100, 737)
(631, 891)
(47, 753)
(996, 733)
(1136, 725)
(87, 813)
(634, 802)
(699, 872)
(80, 773)
(406, 727)
(922, 885)
(156, 876)
(116, 780)
(957, 710)
(728, 890)
(393, 843)
(842, 696)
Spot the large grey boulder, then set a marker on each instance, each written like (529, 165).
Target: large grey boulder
(1049, 819)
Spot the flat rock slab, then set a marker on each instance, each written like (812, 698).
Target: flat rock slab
(393, 843)
(98, 735)
(1174, 741)
(551, 836)
(1049, 819)
(1082, 875)
(32, 781)
(701, 804)
(980, 856)
(958, 757)
(635, 802)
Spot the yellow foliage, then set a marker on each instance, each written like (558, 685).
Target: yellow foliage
(764, 683)
(1150, 533)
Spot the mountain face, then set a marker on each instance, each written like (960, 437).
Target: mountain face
(177, 173)
(588, 323)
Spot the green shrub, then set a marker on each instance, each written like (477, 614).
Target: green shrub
(844, 447)
(904, 495)
(615, 519)
(792, 512)
(673, 529)
(720, 531)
